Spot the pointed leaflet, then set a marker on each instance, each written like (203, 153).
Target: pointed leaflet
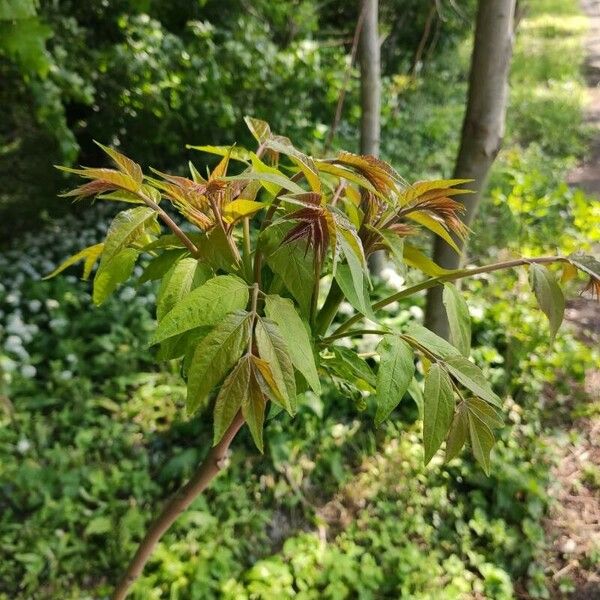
(482, 441)
(215, 356)
(484, 412)
(438, 409)
(395, 246)
(458, 318)
(205, 305)
(430, 341)
(229, 399)
(124, 164)
(351, 367)
(238, 209)
(258, 128)
(359, 301)
(272, 348)
(472, 377)
(416, 259)
(396, 370)
(294, 264)
(125, 228)
(305, 163)
(457, 436)
(296, 337)
(111, 274)
(90, 255)
(435, 226)
(253, 406)
(179, 280)
(416, 393)
(159, 265)
(236, 153)
(549, 295)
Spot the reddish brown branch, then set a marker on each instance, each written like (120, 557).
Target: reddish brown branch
(207, 471)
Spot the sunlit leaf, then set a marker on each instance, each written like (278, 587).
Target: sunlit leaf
(416, 259)
(90, 255)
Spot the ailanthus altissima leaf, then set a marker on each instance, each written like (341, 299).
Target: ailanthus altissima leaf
(482, 441)
(458, 318)
(295, 334)
(430, 341)
(549, 295)
(125, 228)
(90, 255)
(272, 348)
(112, 273)
(471, 376)
(215, 356)
(185, 275)
(396, 370)
(457, 436)
(438, 409)
(205, 305)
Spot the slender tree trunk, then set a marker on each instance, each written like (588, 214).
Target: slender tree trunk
(214, 462)
(483, 128)
(369, 53)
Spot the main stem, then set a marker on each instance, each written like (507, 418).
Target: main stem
(214, 462)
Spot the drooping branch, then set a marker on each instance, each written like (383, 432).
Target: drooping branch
(453, 276)
(212, 465)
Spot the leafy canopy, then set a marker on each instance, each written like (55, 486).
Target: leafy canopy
(274, 241)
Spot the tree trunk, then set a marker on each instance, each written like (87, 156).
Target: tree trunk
(482, 131)
(370, 94)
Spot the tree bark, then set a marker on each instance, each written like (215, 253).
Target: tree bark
(369, 52)
(212, 465)
(482, 131)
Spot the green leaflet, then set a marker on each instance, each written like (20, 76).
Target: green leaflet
(586, 263)
(548, 294)
(89, 255)
(438, 409)
(471, 376)
(205, 305)
(215, 355)
(458, 319)
(295, 267)
(457, 436)
(358, 299)
(241, 389)
(184, 276)
(229, 399)
(416, 259)
(125, 228)
(272, 348)
(482, 441)
(484, 412)
(180, 345)
(396, 370)
(160, 264)
(416, 393)
(395, 245)
(352, 367)
(112, 273)
(296, 337)
(430, 341)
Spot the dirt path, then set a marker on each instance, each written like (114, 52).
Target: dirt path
(573, 524)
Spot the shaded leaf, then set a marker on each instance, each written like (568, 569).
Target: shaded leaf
(438, 409)
(112, 273)
(430, 341)
(457, 436)
(548, 294)
(396, 370)
(482, 441)
(296, 337)
(352, 367)
(458, 318)
(472, 377)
